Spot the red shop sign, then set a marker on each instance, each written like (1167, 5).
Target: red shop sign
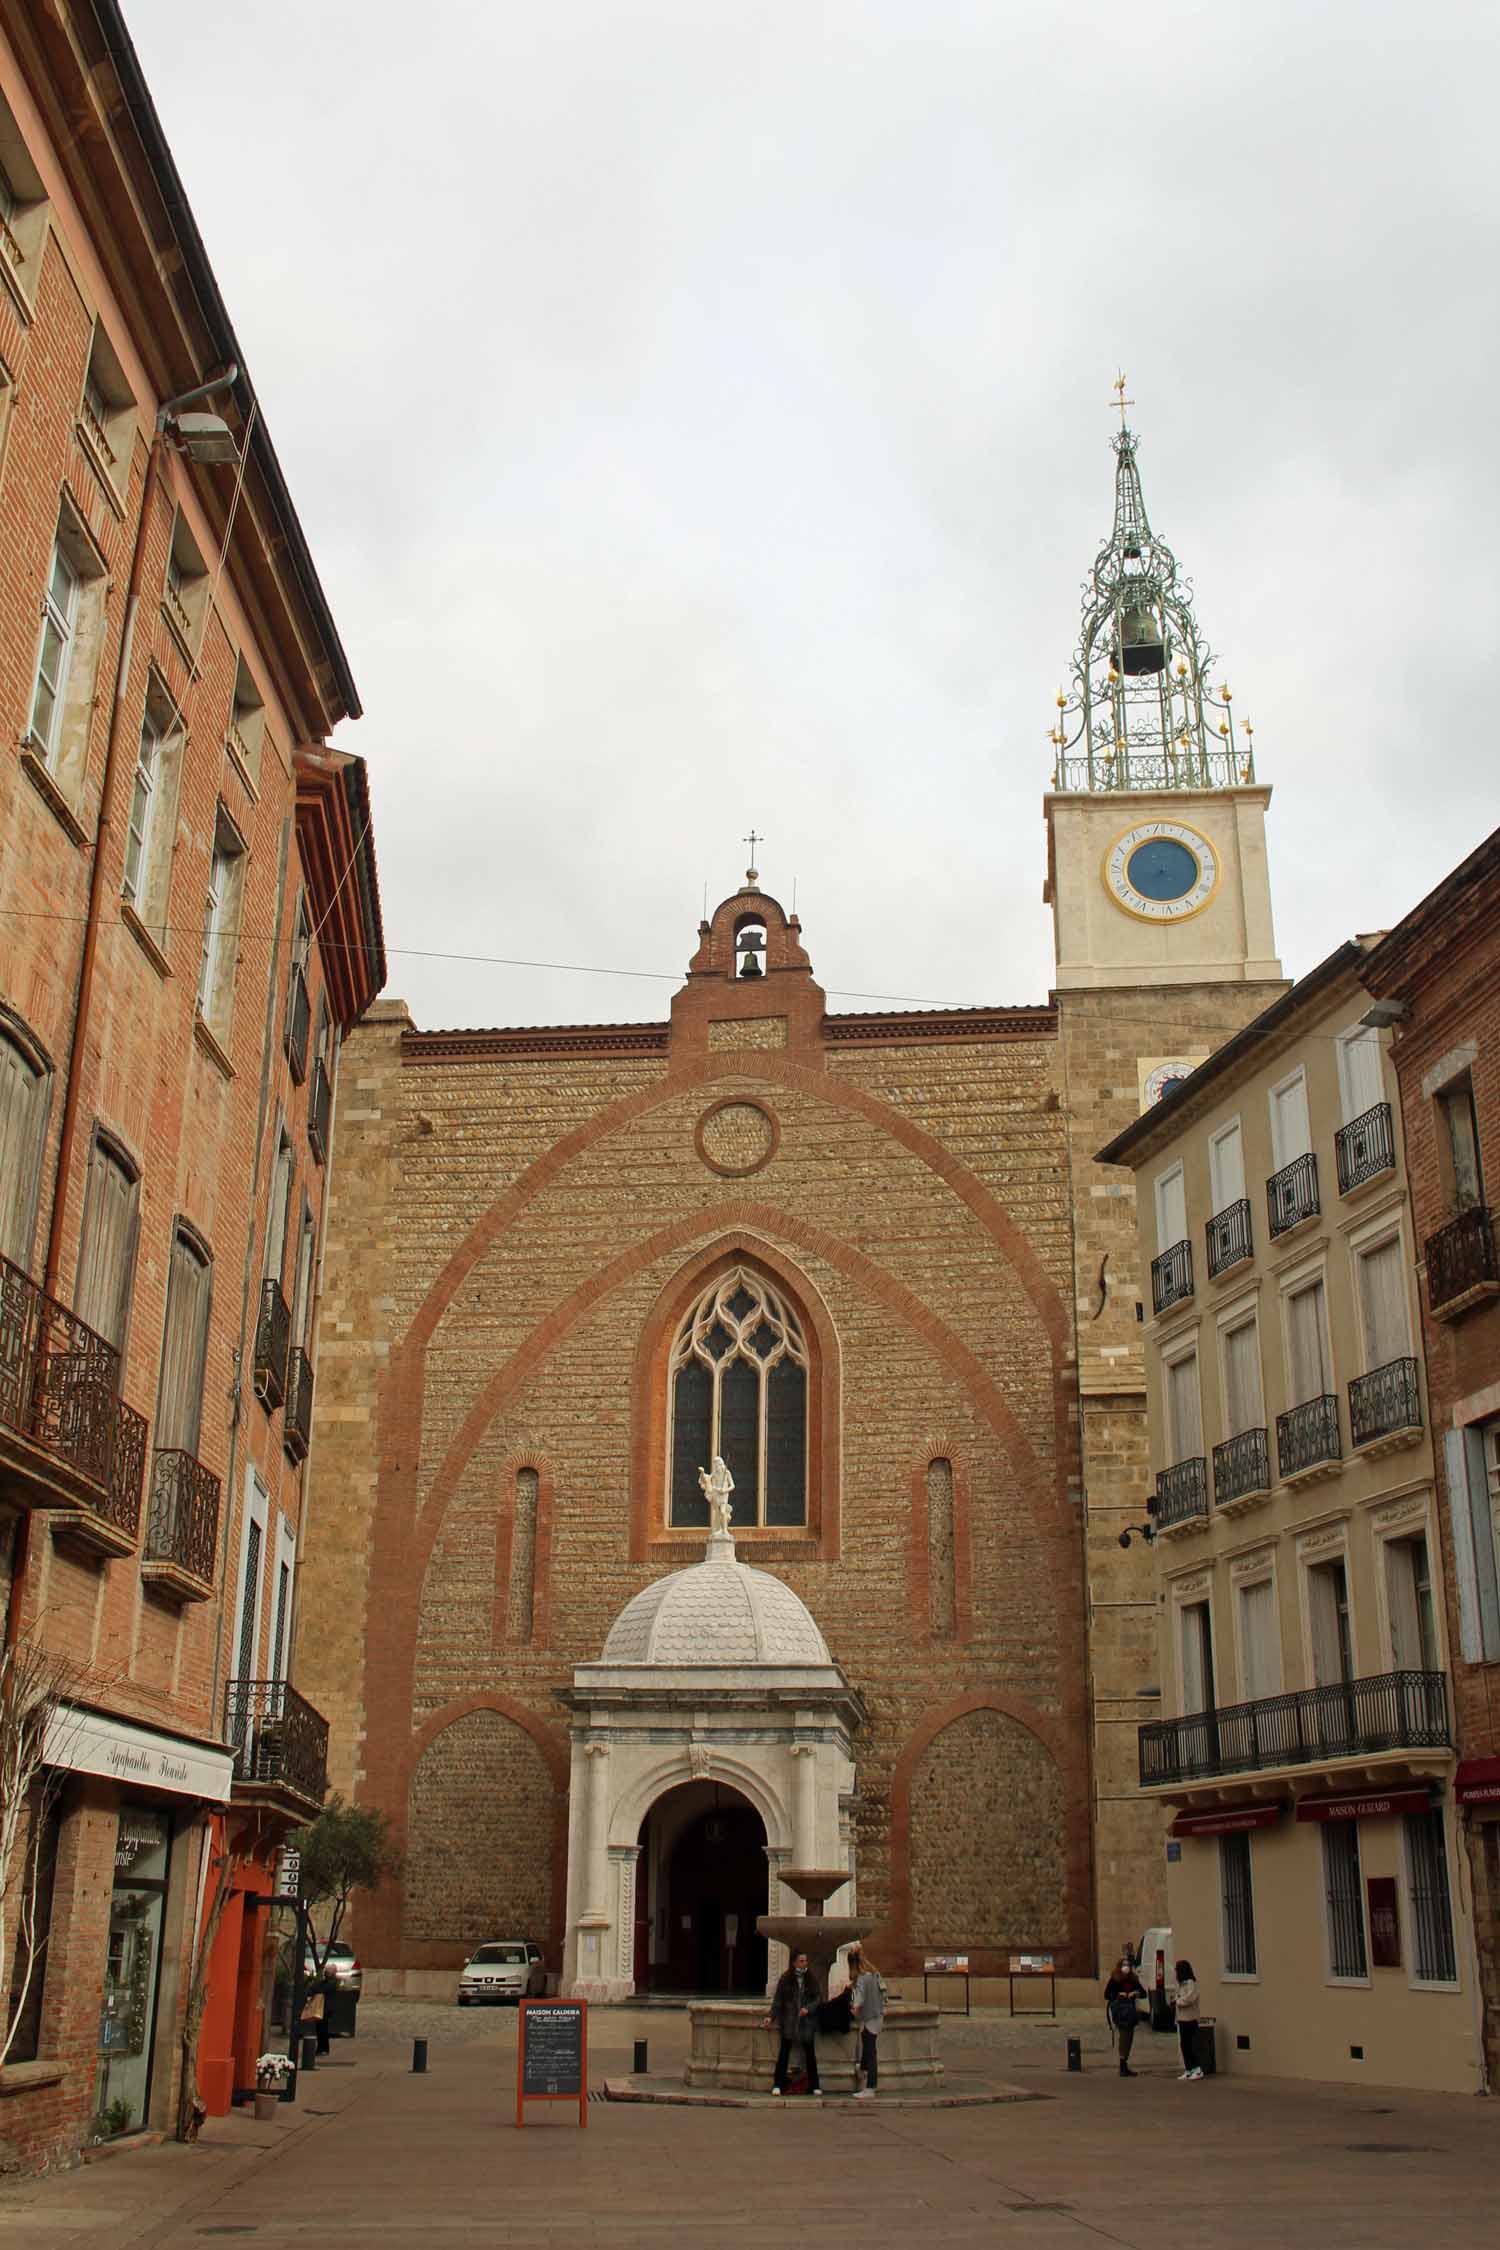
(1230, 1822)
(1477, 1782)
(1373, 1805)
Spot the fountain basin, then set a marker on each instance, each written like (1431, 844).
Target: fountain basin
(733, 2048)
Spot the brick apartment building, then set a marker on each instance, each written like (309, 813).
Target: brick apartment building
(1439, 973)
(871, 1261)
(189, 921)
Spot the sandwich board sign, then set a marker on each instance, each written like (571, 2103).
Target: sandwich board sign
(552, 2055)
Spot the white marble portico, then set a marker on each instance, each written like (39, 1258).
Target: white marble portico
(715, 1673)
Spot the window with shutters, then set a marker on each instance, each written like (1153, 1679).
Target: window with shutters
(1361, 1071)
(152, 818)
(1411, 1606)
(1244, 1404)
(179, 1405)
(1195, 1621)
(25, 1085)
(1458, 1145)
(106, 1260)
(738, 1387)
(1184, 1418)
(1260, 1640)
(1226, 1165)
(1309, 1373)
(1291, 1135)
(61, 722)
(1381, 1276)
(279, 1207)
(223, 899)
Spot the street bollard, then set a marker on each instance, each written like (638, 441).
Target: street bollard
(418, 2057)
(1075, 2054)
(309, 2050)
(639, 2065)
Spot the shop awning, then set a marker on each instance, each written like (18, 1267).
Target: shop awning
(1477, 1782)
(137, 1757)
(1371, 1804)
(1230, 1820)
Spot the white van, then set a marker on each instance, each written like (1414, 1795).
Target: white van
(1156, 1966)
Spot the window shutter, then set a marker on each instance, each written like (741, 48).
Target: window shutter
(179, 1409)
(1473, 1545)
(1382, 1299)
(1185, 1420)
(1226, 1158)
(108, 1255)
(21, 1088)
(1290, 1134)
(1258, 1634)
(1361, 1080)
(1304, 1314)
(1242, 1379)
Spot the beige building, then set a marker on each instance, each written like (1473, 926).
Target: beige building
(1303, 1767)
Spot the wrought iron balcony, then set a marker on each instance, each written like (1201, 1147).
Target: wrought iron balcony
(280, 1742)
(1181, 1494)
(298, 1023)
(1230, 1239)
(1461, 1263)
(273, 1341)
(1392, 1712)
(1365, 1148)
(1385, 1403)
(68, 1441)
(319, 1112)
(1172, 1277)
(1307, 1437)
(1242, 1467)
(182, 1528)
(296, 1426)
(1292, 1194)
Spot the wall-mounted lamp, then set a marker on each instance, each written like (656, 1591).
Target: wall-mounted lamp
(204, 438)
(1146, 1531)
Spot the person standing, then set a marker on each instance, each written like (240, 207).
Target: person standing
(1187, 2021)
(794, 2013)
(1122, 1997)
(868, 2004)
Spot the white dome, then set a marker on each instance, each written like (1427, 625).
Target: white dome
(719, 1611)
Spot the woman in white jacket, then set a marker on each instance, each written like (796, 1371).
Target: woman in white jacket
(1187, 2020)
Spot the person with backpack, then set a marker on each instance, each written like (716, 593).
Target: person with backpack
(794, 2014)
(869, 2012)
(1122, 1997)
(1187, 2021)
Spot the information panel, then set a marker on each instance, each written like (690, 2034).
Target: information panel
(552, 2061)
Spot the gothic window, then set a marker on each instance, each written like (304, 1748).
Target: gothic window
(738, 1378)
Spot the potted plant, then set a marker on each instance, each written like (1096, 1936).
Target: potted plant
(272, 2073)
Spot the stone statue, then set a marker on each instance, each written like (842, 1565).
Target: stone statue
(717, 1484)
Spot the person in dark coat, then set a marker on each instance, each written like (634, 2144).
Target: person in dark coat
(1122, 1997)
(794, 2014)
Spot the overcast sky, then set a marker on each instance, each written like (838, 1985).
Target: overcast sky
(700, 417)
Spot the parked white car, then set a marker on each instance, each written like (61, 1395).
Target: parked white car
(503, 1969)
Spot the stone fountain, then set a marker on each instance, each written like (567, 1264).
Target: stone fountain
(733, 2046)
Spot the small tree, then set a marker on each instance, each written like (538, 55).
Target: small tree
(348, 1848)
(35, 1691)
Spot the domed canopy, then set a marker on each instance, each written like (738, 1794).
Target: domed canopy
(719, 1611)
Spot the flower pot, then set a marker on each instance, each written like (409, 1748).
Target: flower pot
(267, 2102)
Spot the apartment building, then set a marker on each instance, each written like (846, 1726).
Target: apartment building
(1437, 976)
(189, 920)
(1305, 1772)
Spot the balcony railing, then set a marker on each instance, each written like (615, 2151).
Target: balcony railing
(278, 1739)
(1307, 1437)
(1461, 1264)
(182, 1529)
(296, 1426)
(319, 1111)
(80, 1445)
(1181, 1493)
(1292, 1194)
(1384, 1401)
(1365, 1148)
(298, 1023)
(273, 1340)
(1229, 1237)
(1242, 1465)
(1352, 1718)
(1172, 1277)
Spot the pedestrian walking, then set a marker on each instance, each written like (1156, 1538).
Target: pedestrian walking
(1187, 2021)
(1122, 1997)
(868, 2006)
(794, 2014)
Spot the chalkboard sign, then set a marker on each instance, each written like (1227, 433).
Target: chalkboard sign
(552, 2062)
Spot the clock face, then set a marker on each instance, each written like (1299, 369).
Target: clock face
(1161, 871)
(1165, 1075)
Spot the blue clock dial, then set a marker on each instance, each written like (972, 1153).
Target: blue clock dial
(1162, 868)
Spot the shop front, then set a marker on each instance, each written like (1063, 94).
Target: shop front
(1476, 1791)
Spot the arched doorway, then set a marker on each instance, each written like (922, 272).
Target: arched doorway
(702, 1881)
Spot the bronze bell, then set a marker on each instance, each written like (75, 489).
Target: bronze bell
(1142, 648)
(750, 943)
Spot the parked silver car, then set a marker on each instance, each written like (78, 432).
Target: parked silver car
(344, 1964)
(502, 1969)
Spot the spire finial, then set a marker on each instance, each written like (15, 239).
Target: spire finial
(1120, 400)
(752, 872)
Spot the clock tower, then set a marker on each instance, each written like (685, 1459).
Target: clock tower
(1161, 906)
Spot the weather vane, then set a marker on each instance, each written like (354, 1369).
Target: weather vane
(1121, 401)
(752, 872)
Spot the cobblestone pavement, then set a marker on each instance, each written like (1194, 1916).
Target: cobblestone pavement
(372, 2155)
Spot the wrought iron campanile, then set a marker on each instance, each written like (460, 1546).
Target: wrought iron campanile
(1142, 712)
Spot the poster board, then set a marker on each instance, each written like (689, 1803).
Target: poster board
(552, 2055)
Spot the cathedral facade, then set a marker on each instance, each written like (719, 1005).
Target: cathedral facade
(869, 1262)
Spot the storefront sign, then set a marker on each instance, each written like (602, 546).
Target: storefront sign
(1231, 1822)
(1385, 1922)
(1371, 1807)
(89, 1742)
(1477, 1782)
(288, 1882)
